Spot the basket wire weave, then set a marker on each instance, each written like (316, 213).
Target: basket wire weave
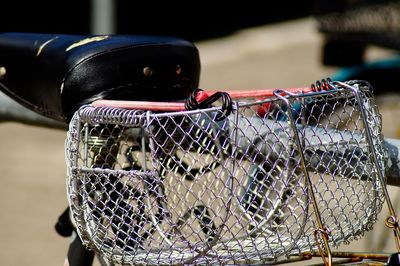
(151, 188)
(360, 21)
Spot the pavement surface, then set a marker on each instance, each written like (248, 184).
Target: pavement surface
(32, 164)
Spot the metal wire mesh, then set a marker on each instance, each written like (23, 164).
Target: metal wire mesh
(183, 187)
(363, 21)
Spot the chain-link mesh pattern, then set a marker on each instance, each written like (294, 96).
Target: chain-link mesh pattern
(362, 21)
(182, 188)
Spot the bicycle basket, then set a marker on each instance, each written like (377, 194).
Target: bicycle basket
(362, 21)
(199, 187)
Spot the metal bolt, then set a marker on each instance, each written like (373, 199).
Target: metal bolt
(3, 72)
(178, 69)
(147, 71)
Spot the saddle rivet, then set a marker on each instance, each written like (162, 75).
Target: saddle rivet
(147, 71)
(178, 69)
(3, 72)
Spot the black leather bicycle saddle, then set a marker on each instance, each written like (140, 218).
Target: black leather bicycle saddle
(55, 74)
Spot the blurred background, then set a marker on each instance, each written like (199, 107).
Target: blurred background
(242, 46)
(191, 21)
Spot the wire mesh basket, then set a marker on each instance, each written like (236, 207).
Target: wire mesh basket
(362, 21)
(350, 27)
(267, 181)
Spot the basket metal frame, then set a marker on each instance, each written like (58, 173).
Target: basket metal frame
(143, 119)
